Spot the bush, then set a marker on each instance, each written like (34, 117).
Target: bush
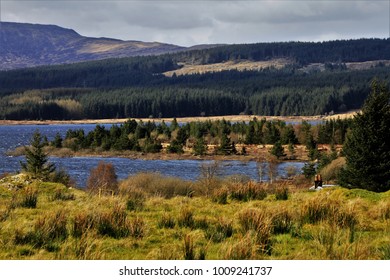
(102, 179)
(61, 176)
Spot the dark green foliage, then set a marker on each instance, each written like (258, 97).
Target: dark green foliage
(61, 176)
(278, 150)
(367, 148)
(57, 142)
(200, 147)
(175, 147)
(36, 159)
(309, 170)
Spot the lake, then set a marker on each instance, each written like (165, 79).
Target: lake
(79, 168)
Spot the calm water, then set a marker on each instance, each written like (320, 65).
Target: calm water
(79, 167)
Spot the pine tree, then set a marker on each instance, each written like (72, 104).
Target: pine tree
(36, 159)
(367, 147)
(200, 147)
(277, 150)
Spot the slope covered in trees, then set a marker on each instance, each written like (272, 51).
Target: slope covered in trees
(135, 87)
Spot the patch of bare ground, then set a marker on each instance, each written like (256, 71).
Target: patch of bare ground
(239, 65)
(231, 118)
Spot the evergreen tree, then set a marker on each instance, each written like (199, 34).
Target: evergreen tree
(367, 147)
(200, 147)
(36, 159)
(277, 150)
(57, 142)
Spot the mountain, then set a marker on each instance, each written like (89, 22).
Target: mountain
(27, 45)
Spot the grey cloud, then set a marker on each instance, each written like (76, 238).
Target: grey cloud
(197, 22)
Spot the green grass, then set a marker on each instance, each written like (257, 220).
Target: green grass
(66, 223)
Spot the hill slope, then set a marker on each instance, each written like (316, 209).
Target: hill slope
(28, 45)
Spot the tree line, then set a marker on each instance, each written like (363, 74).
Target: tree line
(149, 136)
(268, 92)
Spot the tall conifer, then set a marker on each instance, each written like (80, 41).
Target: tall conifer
(367, 148)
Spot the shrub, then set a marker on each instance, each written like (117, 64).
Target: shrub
(61, 176)
(102, 179)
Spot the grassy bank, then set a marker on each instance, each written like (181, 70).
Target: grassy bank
(155, 217)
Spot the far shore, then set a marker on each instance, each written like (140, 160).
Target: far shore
(232, 118)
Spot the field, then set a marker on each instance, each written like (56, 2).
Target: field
(155, 217)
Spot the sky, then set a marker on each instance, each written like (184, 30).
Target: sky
(193, 22)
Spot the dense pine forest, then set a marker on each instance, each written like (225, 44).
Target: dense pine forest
(136, 87)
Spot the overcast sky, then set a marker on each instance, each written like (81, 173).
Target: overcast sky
(194, 22)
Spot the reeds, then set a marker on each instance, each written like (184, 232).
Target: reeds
(247, 192)
(258, 224)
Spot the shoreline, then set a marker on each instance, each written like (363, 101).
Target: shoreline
(254, 153)
(232, 118)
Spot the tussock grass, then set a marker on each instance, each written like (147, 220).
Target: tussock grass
(157, 185)
(334, 223)
(248, 191)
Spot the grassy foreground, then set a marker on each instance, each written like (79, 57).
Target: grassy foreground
(155, 217)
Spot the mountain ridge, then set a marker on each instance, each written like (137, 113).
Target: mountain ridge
(26, 45)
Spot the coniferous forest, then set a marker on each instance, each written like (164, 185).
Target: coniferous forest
(137, 87)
